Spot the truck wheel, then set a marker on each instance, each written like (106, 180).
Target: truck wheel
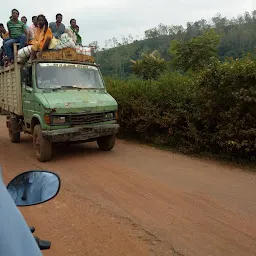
(42, 147)
(14, 136)
(107, 143)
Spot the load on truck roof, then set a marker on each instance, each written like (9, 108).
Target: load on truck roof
(68, 54)
(65, 54)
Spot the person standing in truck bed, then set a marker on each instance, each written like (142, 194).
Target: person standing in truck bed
(17, 34)
(57, 28)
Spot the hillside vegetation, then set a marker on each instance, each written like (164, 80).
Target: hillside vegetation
(237, 37)
(196, 95)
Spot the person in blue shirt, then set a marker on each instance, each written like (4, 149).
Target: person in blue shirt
(15, 235)
(57, 28)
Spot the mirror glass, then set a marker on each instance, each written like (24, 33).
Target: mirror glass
(34, 187)
(27, 75)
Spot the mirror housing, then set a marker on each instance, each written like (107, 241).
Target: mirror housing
(27, 75)
(28, 79)
(34, 187)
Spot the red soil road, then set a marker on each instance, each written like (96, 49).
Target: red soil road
(138, 200)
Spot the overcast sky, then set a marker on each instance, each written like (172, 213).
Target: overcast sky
(101, 20)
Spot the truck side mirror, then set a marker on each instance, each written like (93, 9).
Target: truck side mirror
(28, 81)
(27, 76)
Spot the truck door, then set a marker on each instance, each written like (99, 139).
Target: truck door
(27, 95)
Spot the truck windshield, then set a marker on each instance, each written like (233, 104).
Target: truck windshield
(65, 75)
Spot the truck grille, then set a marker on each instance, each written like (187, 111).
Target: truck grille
(87, 118)
(80, 119)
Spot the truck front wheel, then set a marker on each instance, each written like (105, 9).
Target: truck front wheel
(107, 143)
(42, 147)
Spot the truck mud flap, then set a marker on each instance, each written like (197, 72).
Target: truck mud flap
(8, 124)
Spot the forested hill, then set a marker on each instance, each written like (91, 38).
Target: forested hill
(238, 37)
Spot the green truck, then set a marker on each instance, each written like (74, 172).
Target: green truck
(58, 101)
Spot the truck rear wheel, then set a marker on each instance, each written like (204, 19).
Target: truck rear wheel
(12, 126)
(42, 147)
(14, 136)
(107, 143)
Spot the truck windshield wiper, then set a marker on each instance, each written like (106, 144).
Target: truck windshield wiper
(73, 86)
(81, 86)
(61, 87)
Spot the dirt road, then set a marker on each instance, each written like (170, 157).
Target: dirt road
(137, 200)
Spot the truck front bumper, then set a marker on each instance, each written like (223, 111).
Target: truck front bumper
(80, 133)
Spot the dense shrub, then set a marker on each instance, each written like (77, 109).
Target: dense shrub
(150, 66)
(225, 108)
(213, 111)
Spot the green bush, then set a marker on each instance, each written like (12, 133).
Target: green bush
(150, 66)
(150, 110)
(225, 108)
(211, 111)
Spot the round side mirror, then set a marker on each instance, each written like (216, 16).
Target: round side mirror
(34, 187)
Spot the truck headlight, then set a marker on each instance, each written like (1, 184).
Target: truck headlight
(58, 119)
(109, 115)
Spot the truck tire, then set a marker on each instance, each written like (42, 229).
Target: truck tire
(42, 147)
(107, 143)
(14, 136)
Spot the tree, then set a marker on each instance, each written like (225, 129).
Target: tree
(195, 53)
(238, 37)
(151, 33)
(150, 66)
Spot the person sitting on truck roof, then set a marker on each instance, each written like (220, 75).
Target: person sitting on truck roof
(17, 34)
(73, 28)
(24, 20)
(3, 33)
(43, 36)
(57, 28)
(32, 28)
